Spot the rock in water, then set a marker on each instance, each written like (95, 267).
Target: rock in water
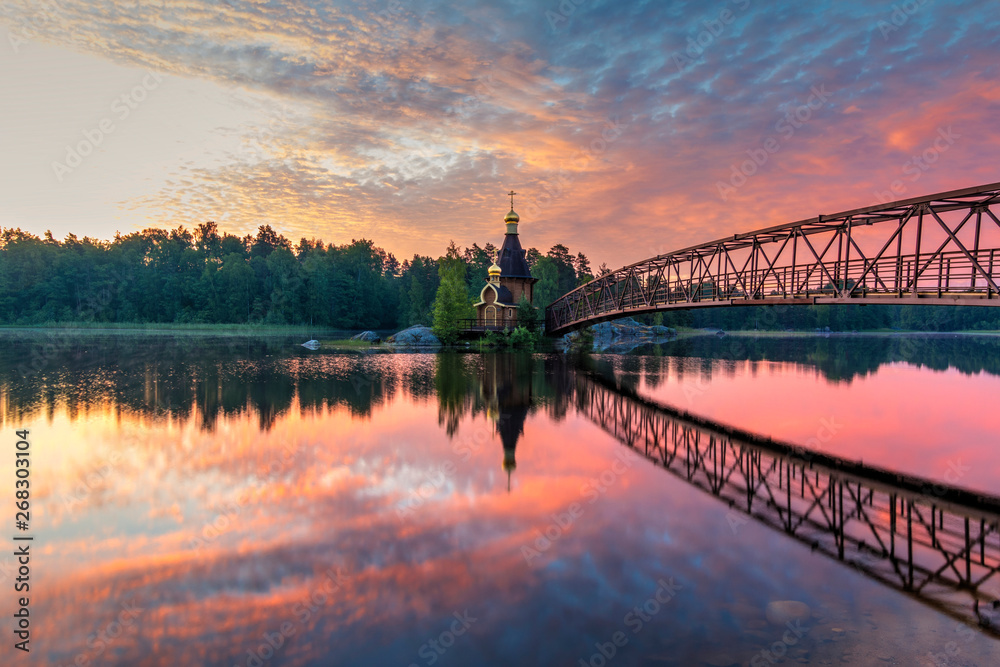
(415, 336)
(367, 336)
(311, 344)
(627, 329)
(782, 612)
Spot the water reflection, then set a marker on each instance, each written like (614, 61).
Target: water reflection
(837, 358)
(251, 502)
(937, 542)
(214, 377)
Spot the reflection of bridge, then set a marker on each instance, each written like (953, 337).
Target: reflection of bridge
(931, 250)
(940, 544)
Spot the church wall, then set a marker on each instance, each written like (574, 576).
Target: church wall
(517, 287)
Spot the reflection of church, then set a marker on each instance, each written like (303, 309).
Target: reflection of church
(509, 280)
(506, 390)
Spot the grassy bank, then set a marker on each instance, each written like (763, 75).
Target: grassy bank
(347, 342)
(177, 328)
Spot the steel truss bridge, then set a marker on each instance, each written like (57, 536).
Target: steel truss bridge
(941, 249)
(938, 544)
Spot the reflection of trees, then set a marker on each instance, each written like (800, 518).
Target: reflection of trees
(210, 377)
(180, 376)
(838, 358)
(501, 384)
(456, 385)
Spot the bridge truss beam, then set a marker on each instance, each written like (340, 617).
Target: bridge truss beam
(941, 249)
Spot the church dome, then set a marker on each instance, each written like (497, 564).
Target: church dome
(494, 270)
(512, 217)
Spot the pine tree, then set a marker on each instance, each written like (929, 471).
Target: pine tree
(452, 302)
(527, 316)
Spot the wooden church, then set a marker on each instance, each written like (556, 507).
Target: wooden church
(509, 279)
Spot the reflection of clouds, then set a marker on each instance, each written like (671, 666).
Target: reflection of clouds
(329, 506)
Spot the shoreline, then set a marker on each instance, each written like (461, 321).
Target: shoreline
(744, 333)
(339, 338)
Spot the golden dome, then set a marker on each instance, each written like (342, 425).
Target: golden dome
(512, 217)
(494, 270)
(509, 463)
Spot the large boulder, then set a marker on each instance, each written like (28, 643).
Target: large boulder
(604, 331)
(416, 336)
(628, 329)
(367, 336)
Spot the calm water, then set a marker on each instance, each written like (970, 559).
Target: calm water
(223, 501)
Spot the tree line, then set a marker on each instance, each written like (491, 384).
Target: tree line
(204, 276)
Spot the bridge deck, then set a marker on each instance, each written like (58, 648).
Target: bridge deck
(952, 256)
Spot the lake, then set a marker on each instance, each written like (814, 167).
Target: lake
(224, 500)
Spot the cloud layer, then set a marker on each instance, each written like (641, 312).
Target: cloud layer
(628, 128)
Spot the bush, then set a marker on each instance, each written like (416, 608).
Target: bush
(522, 339)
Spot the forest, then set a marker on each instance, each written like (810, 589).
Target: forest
(204, 276)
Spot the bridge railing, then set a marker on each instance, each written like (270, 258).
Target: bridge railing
(947, 273)
(945, 248)
(474, 324)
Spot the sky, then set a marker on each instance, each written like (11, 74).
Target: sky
(628, 129)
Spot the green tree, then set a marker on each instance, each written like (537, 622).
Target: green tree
(583, 272)
(417, 285)
(564, 265)
(547, 288)
(452, 302)
(527, 316)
